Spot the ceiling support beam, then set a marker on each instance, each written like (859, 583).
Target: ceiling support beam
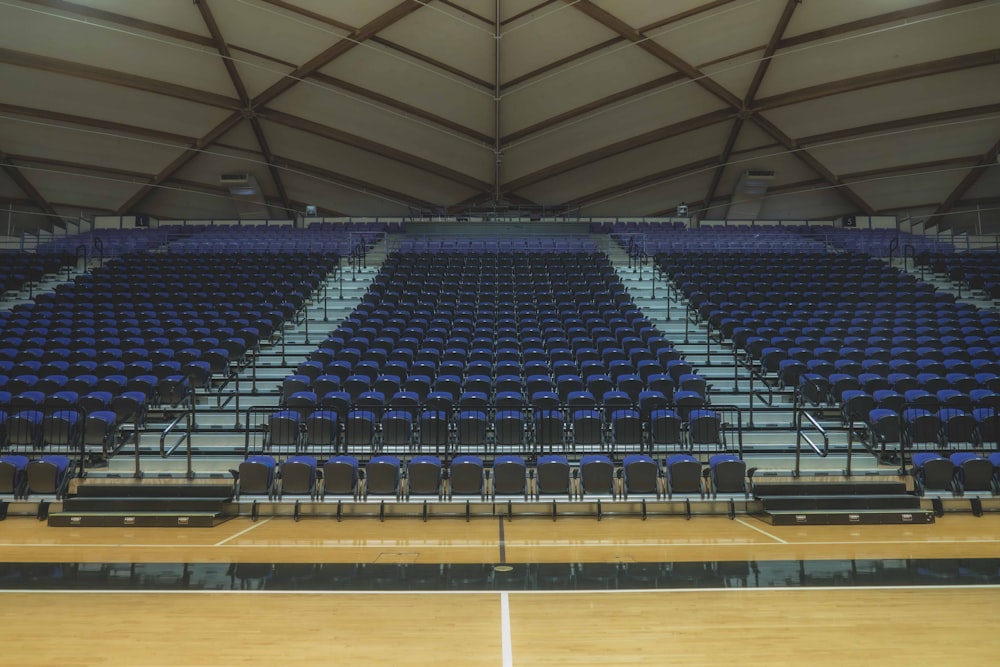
(282, 85)
(696, 123)
(880, 78)
(497, 97)
(736, 105)
(241, 92)
(333, 134)
(27, 188)
(751, 94)
(639, 183)
(873, 21)
(986, 161)
(584, 109)
(353, 183)
(97, 123)
(900, 124)
(114, 77)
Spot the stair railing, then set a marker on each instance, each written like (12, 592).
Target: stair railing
(801, 436)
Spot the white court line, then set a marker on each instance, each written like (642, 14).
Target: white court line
(505, 646)
(350, 544)
(242, 532)
(760, 530)
(598, 591)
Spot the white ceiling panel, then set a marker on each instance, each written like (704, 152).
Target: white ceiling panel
(633, 165)
(596, 131)
(728, 30)
(604, 73)
(282, 34)
(154, 57)
(208, 167)
(343, 200)
(448, 36)
(374, 124)
(895, 150)
(190, 205)
(79, 188)
(546, 36)
(811, 16)
(83, 146)
(242, 136)
(483, 8)
(257, 74)
(926, 95)
(895, 190)
(413, 83)
(343, 159)
(652, 199)
(877, 49)
(814, 204)
(355, 13)
(641, 14)
(90, 99)
(735, 74)
(182, 16)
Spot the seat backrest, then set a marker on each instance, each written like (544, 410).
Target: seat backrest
(382, 476)
(640, 474)
(466, 475)
(683, 474)
(597, 475)
(509, 476)
(340, 475)
(553, 475)
(298, 475)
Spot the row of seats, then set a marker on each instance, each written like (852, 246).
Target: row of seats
(21, 477)
(17, 268)
(509, 476)
(613, 429)
(959, 473)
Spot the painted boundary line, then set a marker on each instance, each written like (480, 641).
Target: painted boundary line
(761, 531)
(241, 533)
(505, 642)
(598, 591)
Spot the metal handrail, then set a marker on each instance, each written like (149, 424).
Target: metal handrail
(800, 435)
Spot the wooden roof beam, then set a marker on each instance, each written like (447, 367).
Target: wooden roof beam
(639, 183)
(27, 188)
(84, 121)
(114, 77)
(353, 183)
(986, 160)
(282, 85)
(367, 31)
(873, 21)
(617, 148)
(880, 78)
(758, 78)
(241, 92)
(613, 23)
(383, 150)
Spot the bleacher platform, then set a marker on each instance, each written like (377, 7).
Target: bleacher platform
(349, 365)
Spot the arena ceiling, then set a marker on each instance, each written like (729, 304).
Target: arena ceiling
(596, 107)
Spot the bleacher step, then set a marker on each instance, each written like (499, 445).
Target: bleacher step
(840, 502)
(846, 517)
(137, 519)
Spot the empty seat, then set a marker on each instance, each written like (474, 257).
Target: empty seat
(552, 475)
(683, 474)
(933, 472)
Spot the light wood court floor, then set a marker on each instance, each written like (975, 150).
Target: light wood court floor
(717, 621)
(525, 540)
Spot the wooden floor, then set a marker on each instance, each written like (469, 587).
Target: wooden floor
(899, 625)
